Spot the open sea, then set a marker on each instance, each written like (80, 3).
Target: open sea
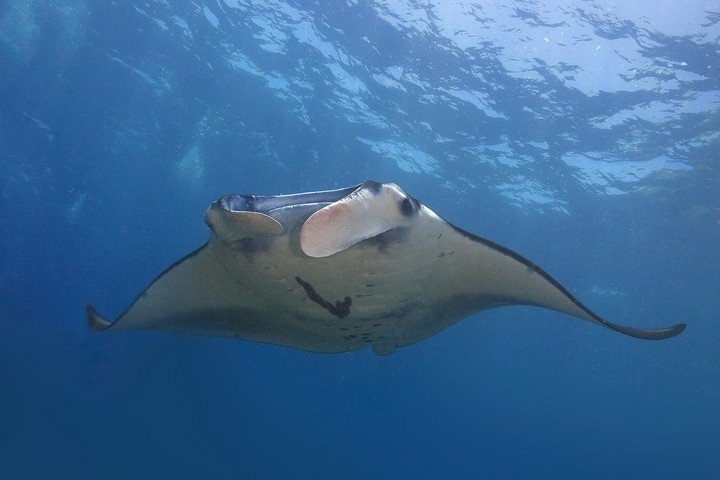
(584, 135)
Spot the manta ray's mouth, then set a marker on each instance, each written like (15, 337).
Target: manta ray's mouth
(267, 203)
(234, 217)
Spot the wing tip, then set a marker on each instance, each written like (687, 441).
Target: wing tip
(96, 322)
(649, 334)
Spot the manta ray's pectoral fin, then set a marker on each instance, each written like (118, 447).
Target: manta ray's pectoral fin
(96, 322)
(563, 301)
(644, 333)
(230, 223)
(503, 277)
(196, 294)
(384, 346)
(369, 211)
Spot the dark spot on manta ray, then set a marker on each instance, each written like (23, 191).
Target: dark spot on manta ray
(369, 284)
(406, 207)
(339, 309)
(385, 240)
(249, 247)
(377, 324)
(409, 206)
(373, 186)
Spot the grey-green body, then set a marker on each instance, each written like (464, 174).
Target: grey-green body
(338, 271)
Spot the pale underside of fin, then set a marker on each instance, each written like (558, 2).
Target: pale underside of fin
(363, 214)
(195, 284)
(508, 278)
(233, 225)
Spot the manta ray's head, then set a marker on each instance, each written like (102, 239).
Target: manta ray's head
(328, 221)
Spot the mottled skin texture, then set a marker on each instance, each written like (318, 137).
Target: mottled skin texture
(394, 288)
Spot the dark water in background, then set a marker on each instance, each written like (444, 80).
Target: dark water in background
(584, 135)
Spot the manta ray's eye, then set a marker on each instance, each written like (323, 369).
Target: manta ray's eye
(407, 206)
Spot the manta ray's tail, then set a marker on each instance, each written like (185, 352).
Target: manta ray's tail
(94, 320)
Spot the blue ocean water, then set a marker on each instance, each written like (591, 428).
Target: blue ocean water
(583, 134)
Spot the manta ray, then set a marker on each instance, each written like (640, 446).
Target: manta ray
(339, 270)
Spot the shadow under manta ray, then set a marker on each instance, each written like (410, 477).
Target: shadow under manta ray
(333, 271)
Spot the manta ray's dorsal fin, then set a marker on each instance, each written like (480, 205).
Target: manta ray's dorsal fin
(370, 210)
(231, 225)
